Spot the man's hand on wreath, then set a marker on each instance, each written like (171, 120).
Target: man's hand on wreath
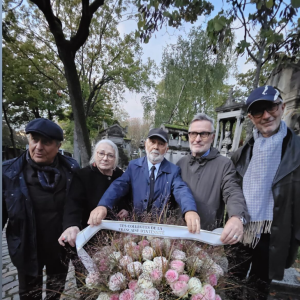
(192, 221)
(233, 231)
(69, 236)
(97, 215)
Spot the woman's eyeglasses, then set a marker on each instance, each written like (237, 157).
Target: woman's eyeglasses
(101, 155)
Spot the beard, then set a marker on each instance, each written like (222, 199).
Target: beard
(155, 157)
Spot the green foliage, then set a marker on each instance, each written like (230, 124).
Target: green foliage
(193, 81)
(271, 27)
(154, 14)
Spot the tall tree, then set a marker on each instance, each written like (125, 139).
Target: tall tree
(82, 42)
(270, 27)
(193, 80)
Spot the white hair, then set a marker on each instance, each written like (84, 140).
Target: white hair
(112, 144)
(203, 117)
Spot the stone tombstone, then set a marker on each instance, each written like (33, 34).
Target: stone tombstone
(229, 114)
(286, 78)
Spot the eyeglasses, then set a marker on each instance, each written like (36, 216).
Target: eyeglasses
(101, 155)
(257, 112)
(204, 135)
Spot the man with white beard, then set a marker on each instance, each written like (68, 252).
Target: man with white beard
(153, 181)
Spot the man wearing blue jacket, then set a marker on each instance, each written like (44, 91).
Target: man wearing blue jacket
(153, 181)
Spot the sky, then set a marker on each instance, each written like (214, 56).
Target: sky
(154, 50)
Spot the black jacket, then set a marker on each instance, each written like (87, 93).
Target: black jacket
(87, 188)
(213, 182)
(18, 209)
(285, 230)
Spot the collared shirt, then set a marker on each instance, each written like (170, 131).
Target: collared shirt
(156, 168)
(206, 153)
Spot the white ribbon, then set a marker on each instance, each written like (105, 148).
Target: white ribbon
(144, 229)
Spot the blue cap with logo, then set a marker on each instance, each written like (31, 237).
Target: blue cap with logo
(46, 128)
(266, 93)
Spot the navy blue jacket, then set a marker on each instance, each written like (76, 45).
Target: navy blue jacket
(17, 208)
(136, 179)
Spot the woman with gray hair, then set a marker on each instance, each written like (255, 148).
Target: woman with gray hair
(88, 186)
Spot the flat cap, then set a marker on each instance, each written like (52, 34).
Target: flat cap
(159, 133)
(46, 128)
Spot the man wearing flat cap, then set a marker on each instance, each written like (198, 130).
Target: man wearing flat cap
(153, 181)
(35, 185)
(268, 167)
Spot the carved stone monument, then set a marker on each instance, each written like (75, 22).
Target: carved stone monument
(229, 114)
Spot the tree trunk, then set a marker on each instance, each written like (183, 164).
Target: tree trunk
(11, 132)
(76, 148)
(77, 105)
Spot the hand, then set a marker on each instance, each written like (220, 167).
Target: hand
(192, 221)
(233, 231)
(69, 235)
(97, 215)
(123, 214)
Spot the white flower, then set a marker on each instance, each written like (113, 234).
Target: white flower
(196, 250)
(134, 268)
(194, 263)
(150, 238)
(178, 255)
(148, 266)
(103, 296)
(167, 245)
(147, 253)
(160, 262)
(116, 282)
(195, 286)
(144, 281)
(222, 261)
(130, 238)
(149, 294)
(91, 280)
(129, 246)
(115, 256)
(125, 260)
(156, 243)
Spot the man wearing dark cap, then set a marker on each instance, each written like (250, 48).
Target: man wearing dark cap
(268, 166)
(153, 181)
(34, 192)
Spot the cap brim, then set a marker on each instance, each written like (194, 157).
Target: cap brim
(270, 100)
(158, 135)
(43, 134)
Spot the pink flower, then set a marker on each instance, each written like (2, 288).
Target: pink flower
(147, 253)
(91, 280)
(103, 265)
(133, 285)
(183, 277)
(151, 294)
(198, 296)
(178, 255)
(209, 292)
(116, 282)
(177, 265)
(156, 243)
(218, 297)
(135, 253)
(179, 288)
(114, 297)
(125, 260)
(144, 243)
(156, 276)
(127, 295)
(171, 276)
(134, 268)
(213, 280)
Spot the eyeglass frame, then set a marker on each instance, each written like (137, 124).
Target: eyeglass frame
(270, 112)
(108, 155)
(200, 133)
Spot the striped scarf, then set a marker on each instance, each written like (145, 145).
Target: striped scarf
(257, 183)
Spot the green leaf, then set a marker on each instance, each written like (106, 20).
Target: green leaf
(269, 4)
(295, 3)
(217, 25)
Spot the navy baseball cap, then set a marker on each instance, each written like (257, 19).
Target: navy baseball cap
(266, 93)
(46, 128)
(159, 133)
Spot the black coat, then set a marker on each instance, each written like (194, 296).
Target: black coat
(17, 207)
(285, 230)
(87, 188)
